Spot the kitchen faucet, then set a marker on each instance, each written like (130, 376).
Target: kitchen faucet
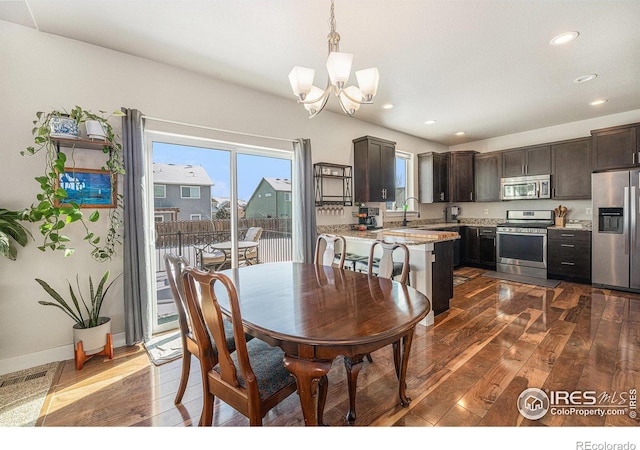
(404, 207)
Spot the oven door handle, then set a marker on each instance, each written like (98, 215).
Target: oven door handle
(521, 234)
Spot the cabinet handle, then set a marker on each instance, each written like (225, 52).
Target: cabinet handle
(522, 169)
(567, 245)
(567, 235)
(526, 169)
(567, 263)
(442, 196)
(471, 195)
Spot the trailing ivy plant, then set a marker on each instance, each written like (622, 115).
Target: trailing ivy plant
(51, 211)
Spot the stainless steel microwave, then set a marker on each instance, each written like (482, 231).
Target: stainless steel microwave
(524, 188)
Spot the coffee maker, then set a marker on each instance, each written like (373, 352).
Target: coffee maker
(451, 214)
(367, 217)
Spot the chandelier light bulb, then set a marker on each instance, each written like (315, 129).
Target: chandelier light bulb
(301, 80)
(316, 93)
(339, 67)
(368, 82)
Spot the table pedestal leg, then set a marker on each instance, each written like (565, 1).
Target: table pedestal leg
(312, 385)
(353, 366)
(401, 354)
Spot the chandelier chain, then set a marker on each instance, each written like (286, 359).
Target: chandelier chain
(332, 19)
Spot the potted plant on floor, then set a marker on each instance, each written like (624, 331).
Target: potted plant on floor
(53, 211)
(91, 331)
(12, 232)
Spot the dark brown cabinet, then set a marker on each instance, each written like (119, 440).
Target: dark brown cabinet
(461, 176)
(487, 172)
(433, 177)
(374, 163)
(616, 147)
(480, 247)
(442, 273)
(569, 255)
(571, 169)
(526, 161)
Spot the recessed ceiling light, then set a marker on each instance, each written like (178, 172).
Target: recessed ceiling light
(430, 122)
(387, 106)
(564, 38)
(585, 78)
(598, 102)
(460, 133)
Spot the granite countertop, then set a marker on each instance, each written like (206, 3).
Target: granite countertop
(407, 236)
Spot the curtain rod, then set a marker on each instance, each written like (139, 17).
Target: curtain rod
(217, 129)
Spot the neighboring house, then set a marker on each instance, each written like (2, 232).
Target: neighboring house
(224, 203)
(272, 198)
(181, 192)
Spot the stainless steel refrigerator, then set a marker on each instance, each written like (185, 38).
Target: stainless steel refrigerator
(616, 229)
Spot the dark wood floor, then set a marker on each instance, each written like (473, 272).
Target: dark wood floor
(497, 339)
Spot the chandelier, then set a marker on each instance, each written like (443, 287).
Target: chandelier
(350, 98)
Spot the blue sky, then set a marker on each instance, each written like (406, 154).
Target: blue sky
(251, 169)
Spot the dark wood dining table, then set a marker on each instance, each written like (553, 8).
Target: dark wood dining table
(317, 313)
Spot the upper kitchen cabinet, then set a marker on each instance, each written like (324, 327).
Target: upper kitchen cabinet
(374, 165)
(526, 161)
(488, 171)
(571, 169)
(433, 177)
(616, 147)
(461, 176)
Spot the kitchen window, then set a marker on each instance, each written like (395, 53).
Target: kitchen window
(404, 167)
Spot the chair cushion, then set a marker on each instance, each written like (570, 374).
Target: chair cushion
(268, 367)
(228, 333)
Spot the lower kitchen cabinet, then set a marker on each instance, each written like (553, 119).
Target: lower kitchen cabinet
(480, 247)
(442, 273)
(569, 255)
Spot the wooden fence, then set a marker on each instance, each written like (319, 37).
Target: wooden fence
(189, 229)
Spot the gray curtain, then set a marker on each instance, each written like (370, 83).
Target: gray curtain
(136, 259)
(304, 215)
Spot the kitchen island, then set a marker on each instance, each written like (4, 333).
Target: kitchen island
(430, 259)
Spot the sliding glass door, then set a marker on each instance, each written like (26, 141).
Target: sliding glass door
(217, 204)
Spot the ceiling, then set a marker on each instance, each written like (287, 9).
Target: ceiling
(484, 67)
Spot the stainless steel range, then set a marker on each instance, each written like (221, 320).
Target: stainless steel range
(522, 243)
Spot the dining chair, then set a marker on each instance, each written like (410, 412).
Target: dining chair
(253, 234)
(191, 345)
(252, 379)
(383, 267)
(327, 254)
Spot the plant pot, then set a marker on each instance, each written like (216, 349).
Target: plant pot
(95, 130)
(63, 127)
(93, 339)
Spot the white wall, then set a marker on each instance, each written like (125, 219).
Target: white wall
(41, 72)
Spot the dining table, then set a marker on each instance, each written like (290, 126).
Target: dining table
(317, 313)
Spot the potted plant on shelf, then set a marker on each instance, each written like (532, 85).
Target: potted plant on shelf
(52, 211)
(91, 331)
(12, 232)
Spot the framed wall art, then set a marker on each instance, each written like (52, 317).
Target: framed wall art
(89, 188)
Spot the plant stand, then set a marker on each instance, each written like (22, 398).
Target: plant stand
(81, 356)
